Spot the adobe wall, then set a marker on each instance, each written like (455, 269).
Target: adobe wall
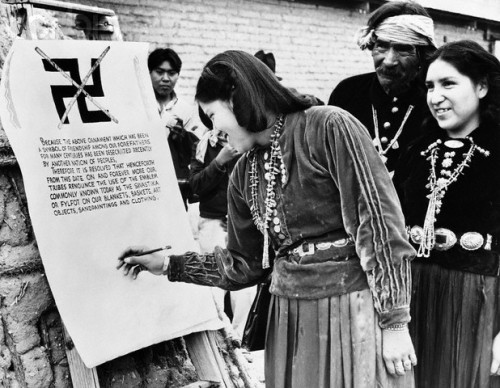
(313, 41)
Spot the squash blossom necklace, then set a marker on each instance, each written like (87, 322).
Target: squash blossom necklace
(439, 185)
(274, 166)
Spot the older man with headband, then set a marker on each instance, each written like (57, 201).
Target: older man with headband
(390, 102)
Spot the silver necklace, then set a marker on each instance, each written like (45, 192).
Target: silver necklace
(273, 165)
(394, 141)
(439, 185)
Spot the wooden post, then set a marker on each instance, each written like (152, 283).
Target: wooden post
(206, 358)
(98, 27)
(81, 376)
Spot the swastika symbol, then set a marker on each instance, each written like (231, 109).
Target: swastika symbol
(59, 92)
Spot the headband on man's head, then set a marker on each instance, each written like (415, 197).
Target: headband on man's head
(416, 30)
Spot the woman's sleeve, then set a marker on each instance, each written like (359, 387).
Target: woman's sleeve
(372, 214)
(234, 268)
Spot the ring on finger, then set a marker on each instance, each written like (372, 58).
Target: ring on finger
(407, 364)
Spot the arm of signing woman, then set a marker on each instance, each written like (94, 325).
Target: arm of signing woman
(139, 258)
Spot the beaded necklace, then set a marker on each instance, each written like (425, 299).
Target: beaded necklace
(394, 142)
(438, 186)
(274, 166)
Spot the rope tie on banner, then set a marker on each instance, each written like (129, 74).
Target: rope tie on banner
(79, 87)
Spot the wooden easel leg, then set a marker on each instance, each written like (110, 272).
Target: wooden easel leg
(81, 376)
(207, 360)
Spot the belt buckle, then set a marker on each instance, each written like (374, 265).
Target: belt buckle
(301, 252)
(471, 241)
(450, 239)
(323, 246)
(342, 242)
(310, 248)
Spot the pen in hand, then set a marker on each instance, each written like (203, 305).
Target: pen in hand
(135, 269)
(152, 251)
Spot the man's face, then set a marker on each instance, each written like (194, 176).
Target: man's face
(164, 79)
(396, 65)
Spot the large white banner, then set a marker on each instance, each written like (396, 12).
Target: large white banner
(99, 177)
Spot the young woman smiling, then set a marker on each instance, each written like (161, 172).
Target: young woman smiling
(449, 185)
(311, 202)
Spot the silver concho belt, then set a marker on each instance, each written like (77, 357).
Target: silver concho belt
(446, 239)
(310, 248)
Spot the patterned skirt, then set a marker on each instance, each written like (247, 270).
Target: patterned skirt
(332, 342)
(455, 316)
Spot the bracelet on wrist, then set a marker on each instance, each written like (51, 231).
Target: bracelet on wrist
(166, 261)
(397, 327)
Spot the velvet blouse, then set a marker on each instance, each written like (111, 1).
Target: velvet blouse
(472, 202)
(336, 186)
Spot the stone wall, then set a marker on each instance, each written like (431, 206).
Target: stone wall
(32, 344)
(31, 350)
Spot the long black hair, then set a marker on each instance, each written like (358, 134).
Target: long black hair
(250, 85)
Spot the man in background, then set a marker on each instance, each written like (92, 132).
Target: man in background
(391, 102)
(179, 118)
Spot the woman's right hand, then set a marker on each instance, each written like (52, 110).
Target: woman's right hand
(132, 265)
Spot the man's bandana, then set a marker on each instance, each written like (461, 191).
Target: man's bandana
(416, 30)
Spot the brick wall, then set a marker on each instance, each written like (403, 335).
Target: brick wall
(313, 44)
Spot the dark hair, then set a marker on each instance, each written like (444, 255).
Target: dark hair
(474, 62)
(205, 120)
(160, 55)
(267, 58)
(251, 86)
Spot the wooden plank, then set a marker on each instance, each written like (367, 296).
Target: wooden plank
(99, 27)
(207, 360)
(81, 376)
(55, 5)
(202, 384)
(221, 363)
